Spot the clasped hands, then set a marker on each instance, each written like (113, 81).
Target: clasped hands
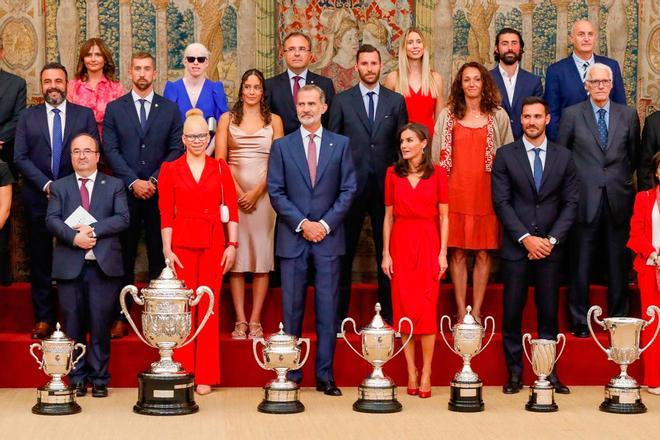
(313, 231)
(537, 247)
(143, 189)
(84, 238)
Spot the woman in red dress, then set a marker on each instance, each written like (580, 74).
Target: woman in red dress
(415, 244)
(192, 189)
(645, 243)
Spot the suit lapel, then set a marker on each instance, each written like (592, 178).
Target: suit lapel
(71, 116)
(285, 86)
(43, 122)
(517, 90)
(590, 119)
(327, 144)
(577, 75)
(98, 192)
(380, 109)
(131, 112)
(615, 123)
(500, 84)
(550, 161)
(153, 113)
(521, 155)
(358, 102)
(298, 153)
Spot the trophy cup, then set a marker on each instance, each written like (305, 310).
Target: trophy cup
(543, 360)
(377, 392)
(56, 397)
(166, 389)
(468, 336)
(281, 353)
(622, 394)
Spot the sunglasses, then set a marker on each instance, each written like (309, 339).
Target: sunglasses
(200, 60)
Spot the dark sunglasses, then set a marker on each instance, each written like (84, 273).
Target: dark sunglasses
(200, 60)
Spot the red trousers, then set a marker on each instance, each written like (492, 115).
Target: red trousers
(648, 287)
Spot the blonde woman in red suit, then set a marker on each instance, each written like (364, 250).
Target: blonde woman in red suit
(191, 190)
(645, 242)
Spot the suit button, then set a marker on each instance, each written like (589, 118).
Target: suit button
(537, 206)
(371, 146)
(142, 146)
(142, 162)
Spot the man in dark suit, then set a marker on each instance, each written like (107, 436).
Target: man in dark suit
(12, 104)
(281, 89)
(370, 116)
(534, 190)
(564, 80)
(604, 139)
(311, 184)
(650, 146)
(514, 82)
(141, 130)
(42, 154)
(87, 261)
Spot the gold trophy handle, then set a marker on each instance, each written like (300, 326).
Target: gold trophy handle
(492, 333)
(258, 341)
(651, 311)
(201, 290)
(124, 310)
(442, 333)
(563, 345)
(306, 341)
(83, 350)
(596, 311)
(527, 337)
(343, 335)
(410, 335)
(39, 361)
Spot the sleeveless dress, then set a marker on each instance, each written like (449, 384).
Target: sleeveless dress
(421, 109)
(247, 156)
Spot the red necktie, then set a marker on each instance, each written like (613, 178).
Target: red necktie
(296, 89)
(311, 159)
(84, 194)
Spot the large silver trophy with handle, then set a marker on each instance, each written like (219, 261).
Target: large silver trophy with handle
(622, 394)
(543, 359)
(166, 388)
(377, 392)
(466, 388)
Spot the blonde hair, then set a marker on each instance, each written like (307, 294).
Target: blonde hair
(195, 115)
(429, 84)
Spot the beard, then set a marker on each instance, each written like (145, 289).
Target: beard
(510, 58)
(142, 84)
(370, 82)
(309, 120)
(533, 134)
(57, 100)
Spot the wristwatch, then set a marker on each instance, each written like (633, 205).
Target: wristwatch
(154, 181)
(553, 241)
(232, 243)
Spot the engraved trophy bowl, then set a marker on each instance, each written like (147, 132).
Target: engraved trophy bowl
(543, 359)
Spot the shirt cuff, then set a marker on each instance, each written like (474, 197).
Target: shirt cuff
(46, 185)
(132, 183)
(325, 225)
(299, 227)
(650, 261)
(523, 237)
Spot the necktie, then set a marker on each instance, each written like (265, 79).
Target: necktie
(57, 142)
(372, 108)
(296, 88)
(311, 159)
(538, 169)
(602, 128)
(143, 114)
(584, 71)
(84, 193)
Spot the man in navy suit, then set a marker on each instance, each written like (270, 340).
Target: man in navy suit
(141, 130)
(42, 154)
(87, 261)
(650, 146)
(369, 115)
(514, 82)
(281, 89)
(311, 184)
(564, 80)
(534, 190)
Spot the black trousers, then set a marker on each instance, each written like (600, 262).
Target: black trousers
(518, 275)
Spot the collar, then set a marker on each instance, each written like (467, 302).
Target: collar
(149, 98)
(305, 133)
(580, 61)
(61, 107)
(364, 90)
(303, 74)
(596, 108)
(529, 146)
(506, 75)
(91, 177)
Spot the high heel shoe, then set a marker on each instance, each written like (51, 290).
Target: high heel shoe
(413, 391)
(424, 394)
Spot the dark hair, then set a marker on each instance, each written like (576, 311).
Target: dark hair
(143, 56)
(490, 95)
(87, 135)
(53, 66)
(109, 67)
(655, 163)
(314, 87)
(507, 30)
(366, 48)
(401, 166)
(237, 109)
(297, 34)
(531, 100)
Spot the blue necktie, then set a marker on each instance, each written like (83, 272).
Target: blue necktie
(57, 142)
(538, 169)
(372, 108)
(143, 114)
(602, 128)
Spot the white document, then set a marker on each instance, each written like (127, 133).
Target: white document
(80, 217)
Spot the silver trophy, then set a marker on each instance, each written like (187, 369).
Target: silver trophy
(56, 397)
(281, 353)
(466, 388)
(622, 394)
(377, 392)
(543, 359)
(166, 388)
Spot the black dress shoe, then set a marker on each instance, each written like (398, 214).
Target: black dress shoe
(512, 385)
(329, 388)
(558, 386)
(81, 389)
(580, 331)
(99, 391)
(41, 330)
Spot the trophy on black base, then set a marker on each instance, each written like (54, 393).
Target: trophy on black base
(166, 389)
(543, 359)
(56, 398)
(465, 392)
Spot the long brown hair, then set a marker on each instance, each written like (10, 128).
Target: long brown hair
(401, 166)
(490, 95)
(237, 109)
(109, 67)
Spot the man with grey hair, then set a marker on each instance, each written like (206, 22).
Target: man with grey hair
(564, 80)
(604, 138)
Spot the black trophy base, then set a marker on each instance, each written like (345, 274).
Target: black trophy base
(281, 401)
(377, 400)
(620, 400)
(56, 402)
(466, 397)
(541, 400)
(166, 395)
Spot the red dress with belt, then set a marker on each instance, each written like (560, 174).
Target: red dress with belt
(192, 210)
(415, 247)
(421, 109)
(641, 242)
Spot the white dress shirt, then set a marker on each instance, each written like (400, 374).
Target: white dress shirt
(509, 81)
(147, 105)
(318, 136)
(302, 81)
(365, 98)
(50, 117)
(531, 156)
(90, 187)
(579, 63)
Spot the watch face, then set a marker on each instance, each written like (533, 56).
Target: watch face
(553, 241)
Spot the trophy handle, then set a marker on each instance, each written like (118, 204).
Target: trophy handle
(442, 333)
(306, 341)
(410, 335)
(83, 350)
(596, 311)
(652, 311)
(138, 300)
(527, 337)
(39, 361)
(343, 335)
(256, 342)
(563, 345)
(201, 290)
(492, 333)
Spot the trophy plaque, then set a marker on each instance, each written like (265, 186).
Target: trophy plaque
(543, 359)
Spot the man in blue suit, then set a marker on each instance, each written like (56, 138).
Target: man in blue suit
(87, 259)
(514, 82)
(141, 130)
(311, 184)
(42, 154)
(564, 80)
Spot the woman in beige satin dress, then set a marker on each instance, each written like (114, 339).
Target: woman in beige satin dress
(243, 139)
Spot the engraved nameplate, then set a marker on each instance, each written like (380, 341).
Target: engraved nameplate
(163, 394)
(467, 392)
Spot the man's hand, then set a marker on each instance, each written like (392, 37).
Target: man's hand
(84, 241)
(143, 189)
(47, 188)
(84, 229)
(313, 231)
(537, 247)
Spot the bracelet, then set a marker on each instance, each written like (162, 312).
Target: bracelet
(232, 243)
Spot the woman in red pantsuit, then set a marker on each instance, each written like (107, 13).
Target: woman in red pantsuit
(415, 244)
(645, 242)
(191, 190)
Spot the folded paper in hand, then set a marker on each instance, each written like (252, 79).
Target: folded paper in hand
(80, 217)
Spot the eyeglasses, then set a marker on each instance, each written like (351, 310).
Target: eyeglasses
(296, 49)
(599, 82)
(196, 137)
(200, 60)
(85, 152)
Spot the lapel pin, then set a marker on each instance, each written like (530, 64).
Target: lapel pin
(102, 182)
(331, 144)
(155, 105)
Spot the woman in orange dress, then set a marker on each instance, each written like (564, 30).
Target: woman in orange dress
(468, 132)
(415, 245)
(192, 189)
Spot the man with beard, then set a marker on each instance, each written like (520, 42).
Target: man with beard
(42, 154)
(514, 82)
(369, 115)
(535, 196)
(141, 130)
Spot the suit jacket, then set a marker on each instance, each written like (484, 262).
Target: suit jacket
(597, 169)
(641, 229)
(521, 208)
(107, 205)
(133, 154)
(527, 84)
(280, 98)
(650, 146)
(373, 149)
(294, 198)
(12, 104)
(564, 87)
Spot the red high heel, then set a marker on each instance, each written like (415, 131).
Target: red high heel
(412, 391)
(424, 394)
